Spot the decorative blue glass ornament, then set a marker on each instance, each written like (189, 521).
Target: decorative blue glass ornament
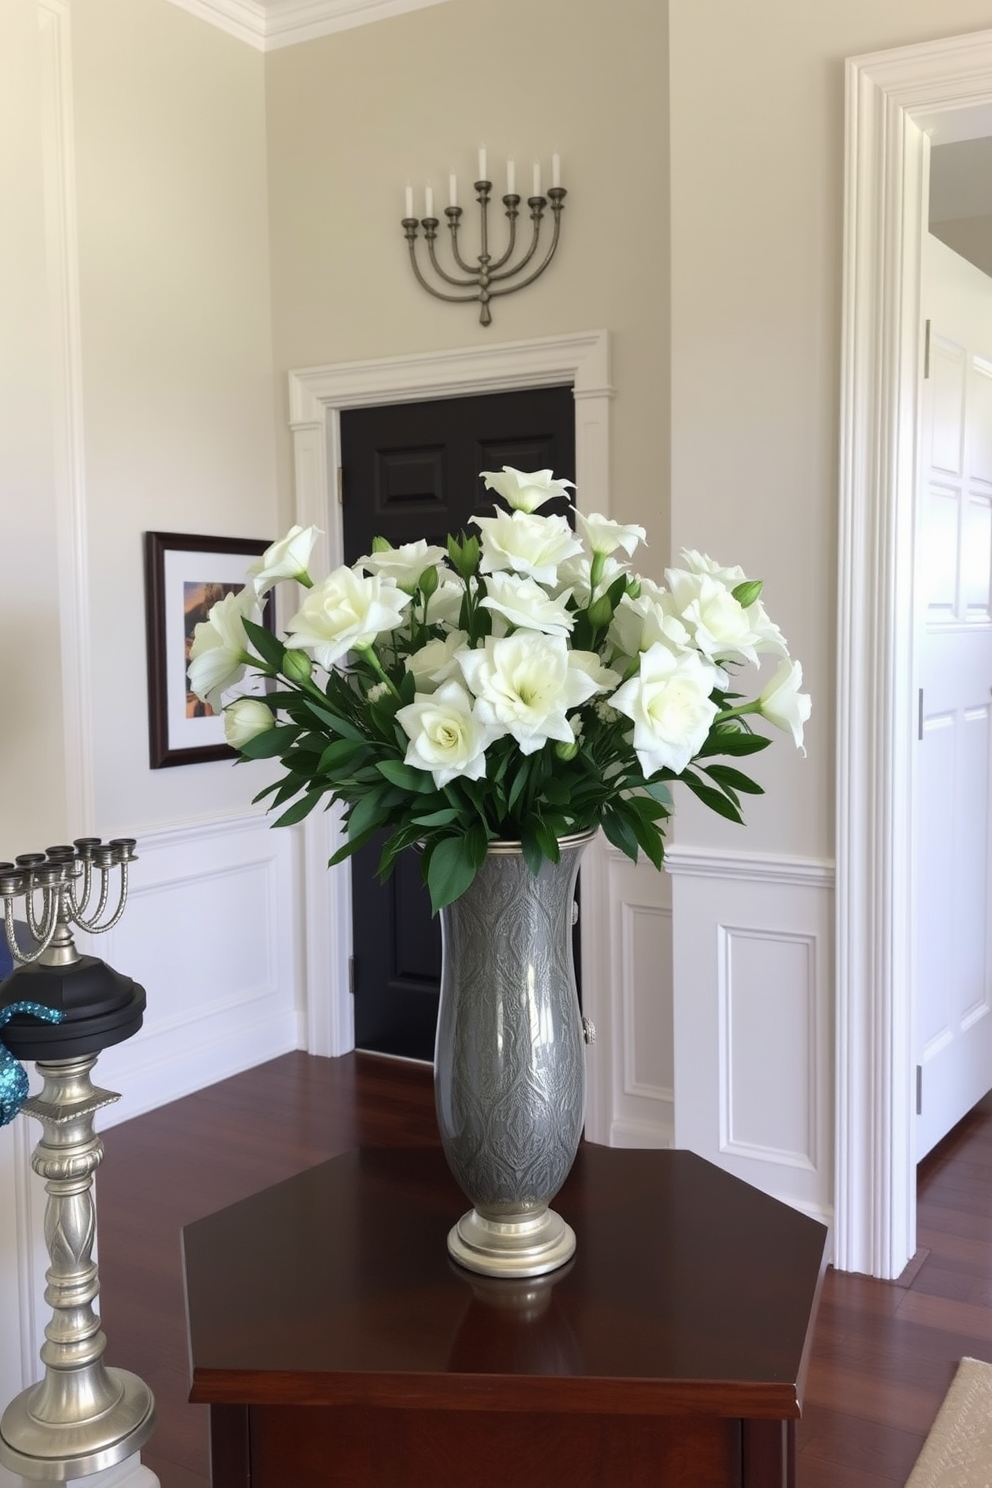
(13, 1076)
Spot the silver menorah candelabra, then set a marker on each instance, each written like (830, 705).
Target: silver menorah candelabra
(488, 277)
(60, 1009)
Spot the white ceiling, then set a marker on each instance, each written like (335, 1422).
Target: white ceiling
(267, 24)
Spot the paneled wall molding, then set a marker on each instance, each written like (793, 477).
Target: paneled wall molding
(239, 999)
(316, 397)
(895, 100)
(269, 24)
(759, 867)
(753, 1016)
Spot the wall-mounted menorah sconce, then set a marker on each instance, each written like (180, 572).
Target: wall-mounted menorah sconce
(61, 1009)
(489, 277)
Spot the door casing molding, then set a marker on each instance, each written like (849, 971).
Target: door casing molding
(896, 102)
(317, 396)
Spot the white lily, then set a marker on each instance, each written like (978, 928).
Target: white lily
(522, 491)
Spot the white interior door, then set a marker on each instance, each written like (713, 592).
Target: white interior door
(954, 652)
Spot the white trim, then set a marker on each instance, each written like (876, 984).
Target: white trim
(316, 396)
(943, 87)
(67, 407)
(696, 862)
(270, 24)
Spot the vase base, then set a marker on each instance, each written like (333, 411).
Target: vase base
(528, 1247)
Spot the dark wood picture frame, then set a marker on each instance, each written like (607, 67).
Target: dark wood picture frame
(176, 563)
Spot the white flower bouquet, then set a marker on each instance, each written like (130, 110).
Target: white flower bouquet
(523, 684)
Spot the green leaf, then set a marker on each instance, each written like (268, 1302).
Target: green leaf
(714, 799)
(735, 741)
(367, 813)
(269, 647)
(747, 593)
(547, 840)
(271, 742)
(336, 724)
(442, 818)
(353, 845)
(619, 831)
(727, 777)
(659, 791)
(340, 755)
(299, 810)
(421, 782)
(450, 870)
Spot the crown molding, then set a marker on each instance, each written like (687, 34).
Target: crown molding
(269, 24)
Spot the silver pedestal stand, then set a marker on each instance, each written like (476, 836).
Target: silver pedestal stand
(82, 1416)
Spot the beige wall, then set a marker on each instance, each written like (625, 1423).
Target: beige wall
(31, 776)
(757, 125)
(177, 379)
(355, 116)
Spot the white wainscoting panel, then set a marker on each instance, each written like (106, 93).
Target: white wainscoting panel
(627, 991)
(212, 931)
(753, 1019)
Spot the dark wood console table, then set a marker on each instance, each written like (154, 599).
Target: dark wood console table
(339, 1346)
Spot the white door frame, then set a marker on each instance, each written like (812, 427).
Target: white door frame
(897, 101)
(316, 397)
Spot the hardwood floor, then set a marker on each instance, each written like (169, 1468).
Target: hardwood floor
(884, 1352)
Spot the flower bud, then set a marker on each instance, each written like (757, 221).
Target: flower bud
(567, 751)
(245, 719)
(428, 582)
(600, 612)
(296, 666)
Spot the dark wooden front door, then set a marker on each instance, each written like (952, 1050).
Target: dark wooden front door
(411, 471)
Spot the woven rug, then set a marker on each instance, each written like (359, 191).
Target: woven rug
(958, 1451)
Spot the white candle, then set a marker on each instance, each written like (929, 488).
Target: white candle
(452, 190)
(409, 201)
(537, 179)
(511, 178)
(428, 200)
(556, 170)
(482, 163)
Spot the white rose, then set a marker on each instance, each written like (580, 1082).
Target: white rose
(526, 604)
(718, 623)
(285, 559)
(444, 606)
(525, 684)
(576, 574)
(404, 564)
(601, 535)
(591, 663)
(436, 662)
(640, 623)
(522, 491)
(448, 736)
(669, 701)
(219, 653)
(525, 544)
(245, 720)
(770, 638)
(346, 611)
(784, 705)
(702, 563)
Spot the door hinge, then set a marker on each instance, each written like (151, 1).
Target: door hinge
(926, 350)
(351, 975)
(340, 485)
(919, 715)
(919, 1090)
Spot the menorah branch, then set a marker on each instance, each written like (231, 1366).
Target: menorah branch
(487, 272)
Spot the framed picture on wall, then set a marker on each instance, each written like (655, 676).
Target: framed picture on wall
(185, 575)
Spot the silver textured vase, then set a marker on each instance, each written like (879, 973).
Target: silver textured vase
(509, 1063)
